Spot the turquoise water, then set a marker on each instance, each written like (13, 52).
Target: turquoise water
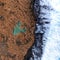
(17, 29)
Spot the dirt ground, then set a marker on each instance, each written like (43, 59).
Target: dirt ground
(14, 47)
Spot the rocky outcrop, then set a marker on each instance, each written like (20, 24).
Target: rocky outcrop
(14, 40)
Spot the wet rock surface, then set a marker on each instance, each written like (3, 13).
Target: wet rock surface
(42, 13)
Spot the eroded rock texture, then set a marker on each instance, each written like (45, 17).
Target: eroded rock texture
(16, 29)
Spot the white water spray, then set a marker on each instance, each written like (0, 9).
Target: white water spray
(52, 47)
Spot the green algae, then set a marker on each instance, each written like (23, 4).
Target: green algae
(17, 29)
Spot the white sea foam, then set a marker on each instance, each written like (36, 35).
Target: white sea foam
(52, 47)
